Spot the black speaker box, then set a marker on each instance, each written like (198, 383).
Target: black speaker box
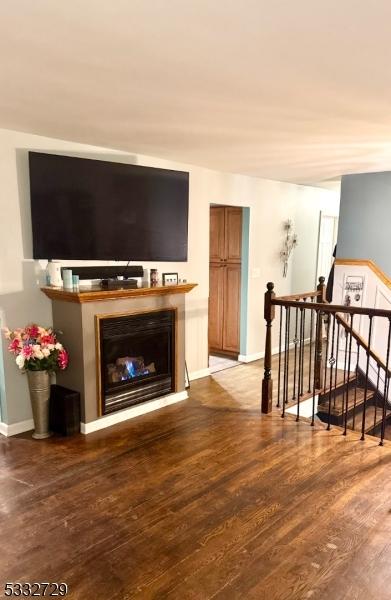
(64, 410)
(118, 284)
(106, 272)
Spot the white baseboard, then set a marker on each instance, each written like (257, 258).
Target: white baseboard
(15, 428)
(107, 421)
(131, 413)
(199, 374)
(246, 358)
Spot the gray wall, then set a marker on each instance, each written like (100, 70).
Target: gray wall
(365, 218)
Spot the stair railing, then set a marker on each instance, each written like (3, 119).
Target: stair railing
(322, 358)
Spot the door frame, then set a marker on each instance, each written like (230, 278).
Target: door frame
(244, 276)
(244, 280)
(325, 215)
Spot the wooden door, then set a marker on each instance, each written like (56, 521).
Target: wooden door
(217, 234)
(231, 328)
(216, 305)
(233, 234)
(224, 279)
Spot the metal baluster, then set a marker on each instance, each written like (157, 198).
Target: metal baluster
(310, 350)
(386, 386)
(286, 360)
(349, 365)
(366, 380)
(279, 360)
(285, 355)
(345, 379)
(302, 353)
(336, 367)
(295, 341)
(327, 349)
(317, 326)
(376, 394)
(355, 388)
(301, 350)
(332, 362)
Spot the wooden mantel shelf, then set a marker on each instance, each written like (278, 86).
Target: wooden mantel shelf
(94, 294)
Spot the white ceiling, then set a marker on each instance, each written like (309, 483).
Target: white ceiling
(289, 90)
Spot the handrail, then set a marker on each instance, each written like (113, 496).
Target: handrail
(379, 361)
(366, 263)
(333, 308)
(304, 335)
(299, 296)
(337, 308)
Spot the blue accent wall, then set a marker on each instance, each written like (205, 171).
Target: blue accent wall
(365, 218)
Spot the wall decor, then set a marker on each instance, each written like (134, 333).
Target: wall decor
(290, 242)
(354, 283)
(354, 289)
(170, 278)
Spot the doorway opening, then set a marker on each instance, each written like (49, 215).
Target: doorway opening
(328, 232)
(228, 281)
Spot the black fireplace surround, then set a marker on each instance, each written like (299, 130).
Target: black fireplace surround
(137, 358)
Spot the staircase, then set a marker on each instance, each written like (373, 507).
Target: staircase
(346, 402)
(315, 340)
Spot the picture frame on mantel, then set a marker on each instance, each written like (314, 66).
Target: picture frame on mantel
(170, 278)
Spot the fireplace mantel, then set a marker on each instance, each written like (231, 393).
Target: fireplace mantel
(94, 294)
(77, 314)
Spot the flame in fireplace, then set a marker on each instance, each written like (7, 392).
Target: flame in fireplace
(135, 369)
(127, 367)
(130, 369)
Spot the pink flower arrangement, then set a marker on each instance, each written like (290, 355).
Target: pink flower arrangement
(36, 348)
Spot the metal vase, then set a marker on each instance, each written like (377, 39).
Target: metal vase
(39, 386)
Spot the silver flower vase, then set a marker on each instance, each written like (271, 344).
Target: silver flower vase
(39, 386)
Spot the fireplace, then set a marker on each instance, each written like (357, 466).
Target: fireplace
(136, 358)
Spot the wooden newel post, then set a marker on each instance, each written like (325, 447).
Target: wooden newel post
(318, 366)
(267, 383)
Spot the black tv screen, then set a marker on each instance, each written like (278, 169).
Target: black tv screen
(91, 209)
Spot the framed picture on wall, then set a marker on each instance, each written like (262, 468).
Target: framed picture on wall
(170, 278)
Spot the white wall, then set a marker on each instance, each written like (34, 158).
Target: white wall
(271, 203)
(375, 294)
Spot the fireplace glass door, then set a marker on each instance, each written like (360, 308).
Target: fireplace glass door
(136, 358)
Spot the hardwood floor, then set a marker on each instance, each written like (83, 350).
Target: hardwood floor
(203, 499)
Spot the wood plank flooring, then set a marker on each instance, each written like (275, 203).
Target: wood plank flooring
(203, 499)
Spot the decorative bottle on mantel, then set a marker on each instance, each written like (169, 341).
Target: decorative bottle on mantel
(154, 277)
(53, 273)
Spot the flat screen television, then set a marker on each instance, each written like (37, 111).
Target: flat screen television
(98, 210)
